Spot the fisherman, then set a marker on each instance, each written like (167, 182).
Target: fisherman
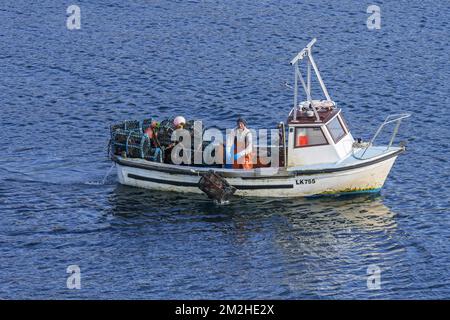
(239, 146)
(152, 134)
(178, 122)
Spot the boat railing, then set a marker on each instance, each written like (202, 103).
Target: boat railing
(389, 119)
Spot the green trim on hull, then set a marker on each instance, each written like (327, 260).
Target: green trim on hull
(346, 192)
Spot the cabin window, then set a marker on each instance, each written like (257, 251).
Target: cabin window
(309, 136)
(336, 129)
(344, 122)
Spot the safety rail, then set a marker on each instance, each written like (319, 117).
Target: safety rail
(389, 119)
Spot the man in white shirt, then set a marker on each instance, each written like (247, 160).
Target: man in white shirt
(239, 146)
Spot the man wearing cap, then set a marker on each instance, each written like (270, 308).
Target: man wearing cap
(239, 146)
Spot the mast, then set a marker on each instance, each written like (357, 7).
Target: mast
(306, 53)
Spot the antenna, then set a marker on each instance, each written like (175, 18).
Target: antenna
(306, 53)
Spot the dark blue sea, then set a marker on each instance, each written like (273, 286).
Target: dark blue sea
(60, 90)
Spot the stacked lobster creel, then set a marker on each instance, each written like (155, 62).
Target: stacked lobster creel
(167, 128)
(120, 133)
(128, 139)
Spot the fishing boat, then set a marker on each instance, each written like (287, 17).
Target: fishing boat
(317, 153)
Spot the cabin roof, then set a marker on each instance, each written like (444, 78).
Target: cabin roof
(324, 115)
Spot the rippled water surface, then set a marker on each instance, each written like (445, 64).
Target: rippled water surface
(60, 90)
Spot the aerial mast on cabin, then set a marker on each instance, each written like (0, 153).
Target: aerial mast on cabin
(306, 53)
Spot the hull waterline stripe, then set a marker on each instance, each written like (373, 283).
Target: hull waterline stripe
(272, 186)
(192, 184)
(345, 193)
(173, 183)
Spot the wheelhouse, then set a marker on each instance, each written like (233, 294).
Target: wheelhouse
(317, 131)
(312, 141)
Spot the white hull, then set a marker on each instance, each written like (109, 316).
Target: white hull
(368, 176)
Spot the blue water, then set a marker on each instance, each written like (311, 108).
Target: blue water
(60, 90)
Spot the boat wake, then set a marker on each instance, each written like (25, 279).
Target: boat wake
(103, 181)
(221, 203)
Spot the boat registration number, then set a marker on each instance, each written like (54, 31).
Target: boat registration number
(305, 181)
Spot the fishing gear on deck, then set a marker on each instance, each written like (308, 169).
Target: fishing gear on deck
(216, 187)
(129, 138)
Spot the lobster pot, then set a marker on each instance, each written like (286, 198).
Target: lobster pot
(128, 125)
(119, 139)
(128, 141)
(134, 144)
(116, 128)
(132, 125)
(216, 187)
(166, 128)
